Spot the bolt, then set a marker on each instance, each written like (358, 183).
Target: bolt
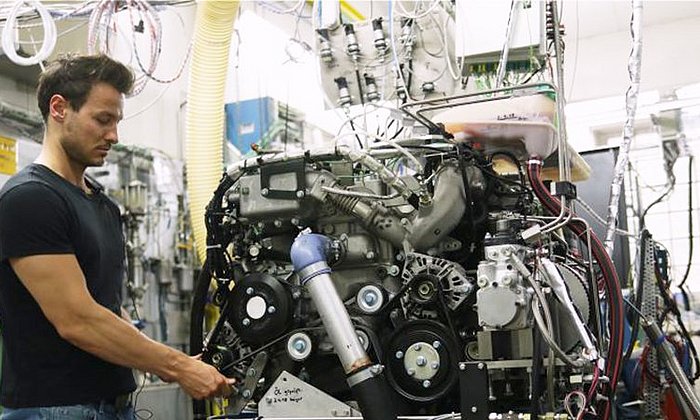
(299, 345)
(249, 291)
(462, 366)
(370, 298)
(426, 383)
(421, 361)
(268, 400)
(506, 252)
(278, 223)
(264, 191)
(507, 280)
(493, 255)
(417, 347)
(436, 344)
(474, 409)
(483, 281)
(399, 354)
(300, 194)
(411, 372)
(271, 310)
(246, 322)
(435, 365)
(251, 372)
(399, 257)
(394, 270)
(247, 394)
(376, 369)
(480, 366)
(216, 359)
(369, 255)
(404, 221)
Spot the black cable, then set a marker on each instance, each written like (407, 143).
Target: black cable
(535, 377)
(149, 413)
(638, 292)
(352, 125)
(199, 302)
(467, 189)
(670, 186)
(397, 133)
(690, 225)
(359, 86)
(672, 307)
(533, 74)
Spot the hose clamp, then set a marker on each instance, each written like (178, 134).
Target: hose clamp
(364, 375)
(313, 270)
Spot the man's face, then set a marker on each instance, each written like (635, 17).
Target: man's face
(88, 134)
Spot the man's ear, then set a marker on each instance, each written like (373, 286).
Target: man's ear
(57, 107)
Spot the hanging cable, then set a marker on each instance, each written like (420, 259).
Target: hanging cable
(690, 222)
(8, 34)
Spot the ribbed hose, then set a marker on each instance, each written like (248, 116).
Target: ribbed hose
(205, 105)
(610, 283)
(344, 202)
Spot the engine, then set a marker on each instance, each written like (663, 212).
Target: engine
(459, 294)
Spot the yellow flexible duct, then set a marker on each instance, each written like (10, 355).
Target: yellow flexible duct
(205, 109)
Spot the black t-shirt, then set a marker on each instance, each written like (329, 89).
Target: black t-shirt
(42, 213)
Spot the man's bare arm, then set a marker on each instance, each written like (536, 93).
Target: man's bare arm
(57, 283)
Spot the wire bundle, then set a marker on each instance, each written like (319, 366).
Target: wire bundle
(143, 18)
(611, 286)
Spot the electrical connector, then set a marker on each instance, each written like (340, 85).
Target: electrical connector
(532, 234)
(563, 188)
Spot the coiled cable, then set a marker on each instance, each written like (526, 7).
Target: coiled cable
(8, 34)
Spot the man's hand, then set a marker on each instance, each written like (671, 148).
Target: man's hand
(200, 380)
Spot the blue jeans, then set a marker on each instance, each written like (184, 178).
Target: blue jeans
(98, 411)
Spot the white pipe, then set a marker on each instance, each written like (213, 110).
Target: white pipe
(205, 109)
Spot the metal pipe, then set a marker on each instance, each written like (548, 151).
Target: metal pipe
(337, 322)
(564, 168)
(668, 355)
(30, 119)
(367, 383)
(503, 62)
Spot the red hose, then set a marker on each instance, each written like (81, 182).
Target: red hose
(610, 280)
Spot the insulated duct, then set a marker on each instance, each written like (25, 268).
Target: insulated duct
(634, 67)
(205, 108)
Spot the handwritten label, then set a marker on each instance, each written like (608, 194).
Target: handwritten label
(287, 395)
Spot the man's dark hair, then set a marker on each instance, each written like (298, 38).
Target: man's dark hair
(73, 76)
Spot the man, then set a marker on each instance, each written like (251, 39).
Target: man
(67, 351)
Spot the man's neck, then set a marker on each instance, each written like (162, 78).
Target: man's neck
(58, 162)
